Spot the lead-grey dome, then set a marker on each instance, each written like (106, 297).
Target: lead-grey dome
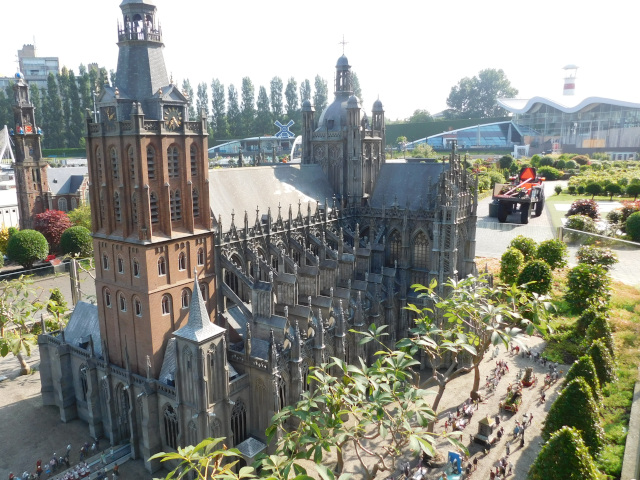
(377, 106)
(353, 102)
(342, 62)
(306, 106)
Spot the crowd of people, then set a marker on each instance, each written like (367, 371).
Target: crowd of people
(59, 467)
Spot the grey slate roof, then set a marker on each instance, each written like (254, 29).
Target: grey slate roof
(82, 324)
(168, 369)
(66, 180)
(406, 182)
(198, 328)
(241, 189)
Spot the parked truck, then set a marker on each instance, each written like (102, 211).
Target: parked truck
(524, 195)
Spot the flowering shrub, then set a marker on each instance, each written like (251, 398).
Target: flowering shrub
(582, 223)
(597, 256)
(584, 207)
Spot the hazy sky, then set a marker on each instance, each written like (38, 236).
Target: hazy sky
(409, 53)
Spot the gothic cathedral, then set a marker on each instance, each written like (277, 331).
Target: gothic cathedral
(208, 319)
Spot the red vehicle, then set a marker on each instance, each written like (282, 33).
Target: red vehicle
(525, 194)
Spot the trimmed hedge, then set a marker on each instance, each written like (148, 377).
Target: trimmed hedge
(76, 241)
(565, 456)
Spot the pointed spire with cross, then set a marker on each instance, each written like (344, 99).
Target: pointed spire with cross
(343, 43)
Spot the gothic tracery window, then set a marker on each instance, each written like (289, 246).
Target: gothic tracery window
(182, 261)
(100, 167)
(173, 161)
(166, 304)
(132, 164)
(116, 207)
(151, 162)
(395, 248)
(196, 204)
(239, 422)
(153, 205)
(194, 160)
(176, 206)
(134, 208)
(114, 163)
(185, 296)
(421, 251)
(170, 427)
(162, 267)
(62, 204)
(200, 256)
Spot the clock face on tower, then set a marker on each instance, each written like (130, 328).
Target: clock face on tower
(172, 118)
(109, 114)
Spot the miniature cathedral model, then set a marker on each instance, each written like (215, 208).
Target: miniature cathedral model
(218, 290)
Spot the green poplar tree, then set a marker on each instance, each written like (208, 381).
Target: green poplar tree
(63, 87)
(305, 90)
(56, 122)
(76, 122)
(188, 90)
(264, 120)
(233, 113)
(355, 85)
(248, 108)
(85, 89)
(291, 97)
(321, 94)
(202, 100)
(275, 97)
(218, 110)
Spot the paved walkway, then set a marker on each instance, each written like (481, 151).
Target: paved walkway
(493, 237)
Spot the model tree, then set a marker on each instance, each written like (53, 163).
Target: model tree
(27, 247)
(76, 241)
(602, 361)
(564, 456)
(584, 368)
(600, 330)
(575, 407)
(476, 97)
(52, 225)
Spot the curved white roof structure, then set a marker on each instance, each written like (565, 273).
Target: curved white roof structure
(568, 105)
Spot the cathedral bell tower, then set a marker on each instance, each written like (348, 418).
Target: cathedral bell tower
(30, 168)
(149, 193)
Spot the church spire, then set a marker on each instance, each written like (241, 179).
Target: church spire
(198, 328)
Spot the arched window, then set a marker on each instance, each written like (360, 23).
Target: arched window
(185, 296)
(194, 160)
(105, 261)
(122, 412)
(203, 291)
(395, 248)
(162, 267)
(282, 394)
(182, 261)
(120, 264)
(136, 268)
(62, 204)
(176, 206)
(173, 161)
(107, 297)
(123, 302)
(102, 207)
(83, 381)
(74, 203)
(151, 162)
(166, 304)
(116, 207)
(239, 422)
(134, 208)
(421, 251)
(170, 427)
(200, 256)
(153, 205)
(137, 304)
(196, 203)
(132, 164)
(114, 163)
(99, 163)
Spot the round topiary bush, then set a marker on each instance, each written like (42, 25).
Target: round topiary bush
(602, 360)
(581, 189)
(597, 256)
(587, 318)
(546, 161)
(554, 252)
(538, 272)
(571, 164)
(575, 407)
(77, 241)
(584, 207)
(560, 164)
(549, 173)
(557, 189)
(582, 223)
(506, 161)
(526, 245)
(510, 264)
(632, 226)
(27, 247)
(587, 285)
(564, 456)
